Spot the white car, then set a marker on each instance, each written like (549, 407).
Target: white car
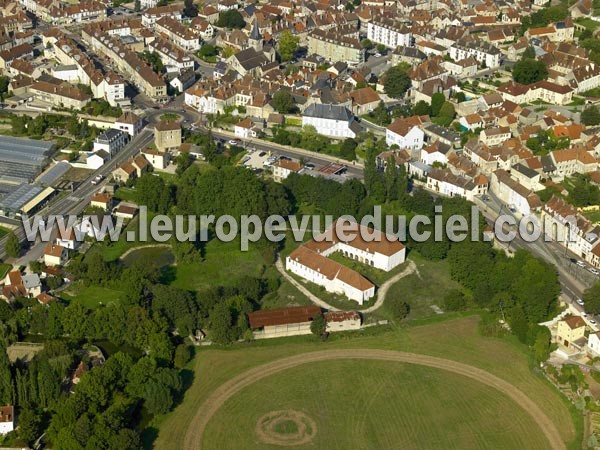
(595, 271)
(592, 321)
(580, 302)
(98, 179)
(580, 263)
(377, 55)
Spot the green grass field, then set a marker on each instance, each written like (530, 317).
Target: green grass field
(424, 289)
(91, 296)
(4, 268)
(224, 265)
(377, 405)
(4, 232)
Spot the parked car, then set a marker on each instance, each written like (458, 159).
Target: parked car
(580, 302)
(595, 271)
(592, 321)
(581, 263)
(98, 179)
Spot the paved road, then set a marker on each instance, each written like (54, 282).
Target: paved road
(355, 169)
(198, 424)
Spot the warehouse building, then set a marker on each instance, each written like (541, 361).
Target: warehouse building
(21, 160)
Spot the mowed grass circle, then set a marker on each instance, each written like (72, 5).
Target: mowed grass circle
(358, 404)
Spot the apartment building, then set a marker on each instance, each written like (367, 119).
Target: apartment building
(334, 47)
(389, 33)
(184, 37)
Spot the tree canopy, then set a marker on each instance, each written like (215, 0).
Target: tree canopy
(590, 116)
(288, 44)
(231, 19)
(528, 71)
(283, 102)
(396, 81)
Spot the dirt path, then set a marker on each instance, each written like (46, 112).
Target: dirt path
(381, 292)
(312, 297)
(141, 247)
(385, 287)
(193, 437)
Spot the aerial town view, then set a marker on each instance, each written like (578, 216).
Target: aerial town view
(299, 224)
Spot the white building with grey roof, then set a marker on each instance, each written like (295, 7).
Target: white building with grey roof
(331, 120)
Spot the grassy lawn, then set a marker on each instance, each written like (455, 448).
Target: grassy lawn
(588, 23)
(224, 265)
(594, 216)
(4, 268)
(424, 289)
(286, 294)
(366, 402)
(375, 276)
(360, 404)
(156, 256)
(127, 194)
(91, 296)
(4, 232)
(293, 121)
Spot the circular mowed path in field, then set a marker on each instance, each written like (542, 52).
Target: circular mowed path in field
(367, 399)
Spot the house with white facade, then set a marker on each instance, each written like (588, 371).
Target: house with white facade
(435, 152)
(564, 224)
(331, 120)
(510, 191)
(55, 255)
(7, 419)
(68, 239)
(97, 159)
(111, 141)
(448, 184)
(593, 343)
(406, 132)
(130, 123)
(284, 167)
(245, 129)
(367, 246)
(156, 158)
(494, 136)
(483, 52)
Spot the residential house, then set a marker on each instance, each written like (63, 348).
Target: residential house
(55, 255)
(102, 200)
(97, 159)
(494, 136)
(7, 419)
(17, 285)
(245, 129)
(167, 135)
(156, 158)
(570, 331)
(406, 132)
(111, 141)
(331, 120)
(364, 100)
(129, 123)
(284, 167)
(511, 192)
